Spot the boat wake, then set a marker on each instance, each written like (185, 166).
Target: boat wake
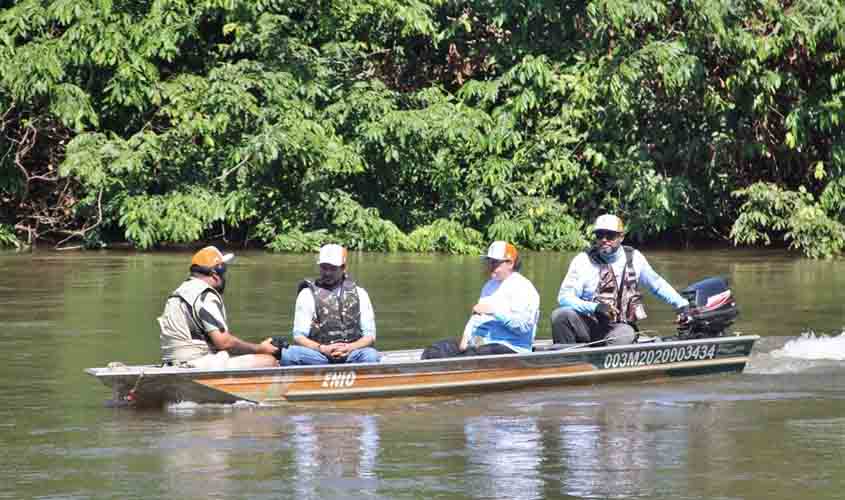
(807, 352)
(812, 346)
(190, 408)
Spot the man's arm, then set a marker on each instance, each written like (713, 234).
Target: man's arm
(463, 344)
(324, 349)
(225, 341)
(212, 320)
(365, 341)
(368, 315)
(303, 314)
(572, 285)
(657, 285)
(523, 312)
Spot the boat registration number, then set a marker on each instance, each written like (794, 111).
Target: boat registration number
(336, 380)
(660, 356)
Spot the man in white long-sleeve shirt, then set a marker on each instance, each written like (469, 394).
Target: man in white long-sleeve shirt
(504, 320)
(333, 321)
(599, 298)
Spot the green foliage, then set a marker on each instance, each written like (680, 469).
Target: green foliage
(814, 233)
(8, 238)
(766, 210)
(770, 212)
(446, 236)
(653, 202)
(295, 240)
(360, 228)
(542, 224)
(832, 200)
(172, 218)
(424, 126)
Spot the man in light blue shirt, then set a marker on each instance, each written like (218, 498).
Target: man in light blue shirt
(504, 320)
(600, 296)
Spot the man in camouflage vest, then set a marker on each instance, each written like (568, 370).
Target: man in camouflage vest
(333, 319)
(600, 297)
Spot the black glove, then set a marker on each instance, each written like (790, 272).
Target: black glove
(683, 315)
(280, 343)
(603, 313)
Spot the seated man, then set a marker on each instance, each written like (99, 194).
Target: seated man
(504, 320)
(194, 332)
(600, 298)
(334, 320)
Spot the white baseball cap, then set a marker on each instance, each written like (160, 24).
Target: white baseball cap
(332, 254)
(502, 250)
(608, 222)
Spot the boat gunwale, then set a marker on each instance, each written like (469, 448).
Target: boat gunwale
(362, 368)
(387, 391)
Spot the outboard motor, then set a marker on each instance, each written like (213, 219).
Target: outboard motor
(712, 309)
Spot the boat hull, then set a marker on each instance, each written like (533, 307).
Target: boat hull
(401, 373)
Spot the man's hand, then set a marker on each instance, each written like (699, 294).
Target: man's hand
(280, 343)
(683, 315)
(339, 350)
(325, 349)
(606, 313)
(483, 309)
(267, 347)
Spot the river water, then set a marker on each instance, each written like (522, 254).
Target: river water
(776, 431)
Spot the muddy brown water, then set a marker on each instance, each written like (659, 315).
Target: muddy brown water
(775, 432)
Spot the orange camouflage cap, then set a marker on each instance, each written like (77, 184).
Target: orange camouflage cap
(210, 257)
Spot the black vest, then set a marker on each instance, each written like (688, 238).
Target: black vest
(337, 312)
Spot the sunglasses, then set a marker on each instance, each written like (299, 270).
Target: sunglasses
(606, 235)
(493, 263)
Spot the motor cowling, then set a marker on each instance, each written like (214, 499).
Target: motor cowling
(712, 309)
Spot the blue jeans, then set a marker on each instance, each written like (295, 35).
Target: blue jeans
(298, 355)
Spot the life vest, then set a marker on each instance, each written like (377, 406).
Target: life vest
(337, 312)
(182, 335)
(627, 299)
(191, 292)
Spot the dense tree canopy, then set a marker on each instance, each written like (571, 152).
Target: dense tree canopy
(421, 125)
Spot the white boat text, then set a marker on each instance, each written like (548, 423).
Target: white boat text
(337, 380)
(660, 356)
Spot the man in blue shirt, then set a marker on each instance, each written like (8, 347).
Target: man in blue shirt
(600, 296)
(504, 320)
